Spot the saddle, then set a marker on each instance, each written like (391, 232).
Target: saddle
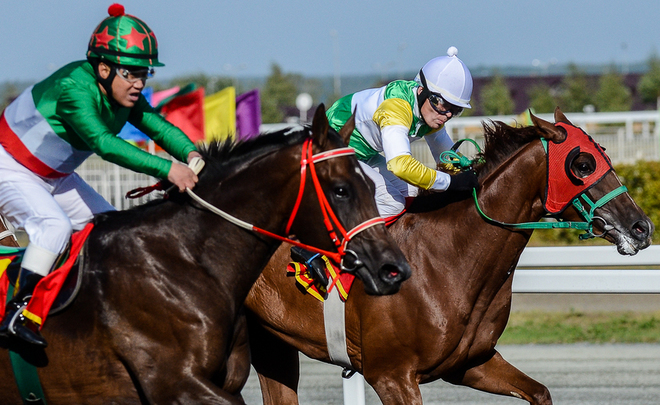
(71, 284)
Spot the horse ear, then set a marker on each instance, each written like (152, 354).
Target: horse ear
(548, 130)
(347, 129)
(320, 125)
(560, 117)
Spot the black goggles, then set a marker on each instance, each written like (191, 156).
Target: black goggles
(442, 107)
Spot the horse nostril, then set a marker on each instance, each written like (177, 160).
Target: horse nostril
(640, 230)
(390, 273)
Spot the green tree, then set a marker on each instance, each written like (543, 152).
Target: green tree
(496, 97)
(279, 92)
(541, 99)
(649, 84)
(575, 93)
(612, 94)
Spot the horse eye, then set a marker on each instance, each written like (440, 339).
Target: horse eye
(583, 165)
(341, 192)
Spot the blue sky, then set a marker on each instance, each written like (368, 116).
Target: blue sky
(317, 38)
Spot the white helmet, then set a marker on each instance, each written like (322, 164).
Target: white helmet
(449, 77)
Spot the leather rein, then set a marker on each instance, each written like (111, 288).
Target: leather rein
(332, 224)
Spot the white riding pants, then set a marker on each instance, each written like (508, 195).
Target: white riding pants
(391, 191)
(49, 210)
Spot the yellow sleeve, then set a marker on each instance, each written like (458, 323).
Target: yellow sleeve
(393, 111)
(412, 171)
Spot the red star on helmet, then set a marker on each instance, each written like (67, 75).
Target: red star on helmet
(103, 39)
(135, 38)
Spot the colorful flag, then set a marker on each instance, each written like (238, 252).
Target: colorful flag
(248, 115)
(162, 95)
(185, 109)
(220, 115)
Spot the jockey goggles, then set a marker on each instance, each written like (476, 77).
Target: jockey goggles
(133, 76)
(438, 103)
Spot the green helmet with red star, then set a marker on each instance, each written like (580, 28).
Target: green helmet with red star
(124, 39)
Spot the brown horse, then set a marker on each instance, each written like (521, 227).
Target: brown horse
(446, 320)
(164, 282)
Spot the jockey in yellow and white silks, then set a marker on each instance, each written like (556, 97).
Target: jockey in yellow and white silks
(389, 118)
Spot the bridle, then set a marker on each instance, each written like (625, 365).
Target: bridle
(555, 166)
(332, 224)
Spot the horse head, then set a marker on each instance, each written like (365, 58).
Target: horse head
(350, 193)
(583, 186)
(327, 199)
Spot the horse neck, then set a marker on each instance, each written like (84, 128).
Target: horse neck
(510, 193)
(261, 195)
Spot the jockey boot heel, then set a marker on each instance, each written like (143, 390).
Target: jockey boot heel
(14, 322)
(315, 264)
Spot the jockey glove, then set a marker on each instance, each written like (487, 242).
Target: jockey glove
(463, 181)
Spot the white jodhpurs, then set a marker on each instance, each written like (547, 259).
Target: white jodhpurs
(49, 210)
(391, 191)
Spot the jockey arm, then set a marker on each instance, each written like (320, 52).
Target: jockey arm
(394, 118)
(85, 116)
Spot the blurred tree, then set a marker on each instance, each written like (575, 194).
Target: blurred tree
(541, 99)
(649, 85)
(575, 93)
(279, 92)
(496, 97)
(612, 94)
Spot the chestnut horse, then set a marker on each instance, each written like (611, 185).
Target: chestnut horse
(446, 320)
(164, 282)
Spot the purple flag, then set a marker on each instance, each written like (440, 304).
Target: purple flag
(248, 115)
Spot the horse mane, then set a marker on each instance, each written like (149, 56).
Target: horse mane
(501, 142)
(223, 157)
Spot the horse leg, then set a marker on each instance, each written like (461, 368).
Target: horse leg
(238, 363)
(395, 386)
(277, 364)
(497, 376)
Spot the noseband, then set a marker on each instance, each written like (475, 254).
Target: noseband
(330, 220)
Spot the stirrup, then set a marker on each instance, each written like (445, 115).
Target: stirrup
(11, 312)
(26, 329)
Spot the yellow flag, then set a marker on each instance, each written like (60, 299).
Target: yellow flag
(220, 115)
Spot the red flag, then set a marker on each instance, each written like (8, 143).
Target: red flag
(248, 115)
(185, 109)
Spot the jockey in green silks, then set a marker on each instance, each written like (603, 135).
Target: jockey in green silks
(53, 126)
